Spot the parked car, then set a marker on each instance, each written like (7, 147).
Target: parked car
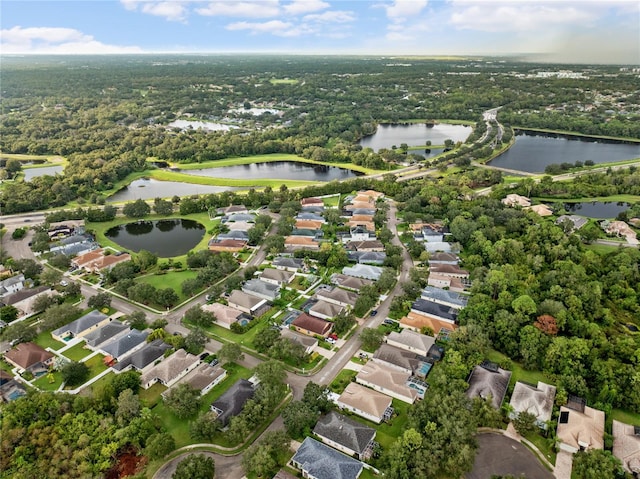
(374, 312)
(330, 340)
(64, 283)
(333, 336)
(363, 356)
(389, 322)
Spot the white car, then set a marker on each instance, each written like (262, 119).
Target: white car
(64, 283)
(330, 340)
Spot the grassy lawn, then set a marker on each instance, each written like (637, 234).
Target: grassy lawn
(300, 283)
(45, 340)
(77, 352)
(179, 428)
(283, 81)
(44, 384)
(150, 397)
(331, 201)
(544, 444)
(5, 366)
(342, 380)
(627, 417)
(171, 279)
(245, 339)
(389, 432)
(164, 175)
(107, 378)
(96, 365)
(602, 249)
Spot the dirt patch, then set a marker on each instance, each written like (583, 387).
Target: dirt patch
(127, 463)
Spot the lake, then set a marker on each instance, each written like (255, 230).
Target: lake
(30, 173)
(597, 209)
(200, 125)
(164, 238)
(148, 188)
(533, 152)
(415, 134)
(285, 170)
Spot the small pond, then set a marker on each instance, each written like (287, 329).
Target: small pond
(426, 153)
(414, 135)
(148, 188)
(597, 209)
(200, 125)
(30, 173)
(533, 152)
(165, 238)
(285, 170)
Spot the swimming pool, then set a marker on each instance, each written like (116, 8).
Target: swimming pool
(424, 369)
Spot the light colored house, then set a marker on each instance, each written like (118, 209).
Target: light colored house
(349, 282)
(533, 400)
(416, 322)
(311, 216)
(541, 210)
(29, 357)
(261, 289)
(307, 324)
(431, 234)
(620, 228)
(368, 225)
(287, 264)
(233, 209)
(401, 359)
(367, 257)
(338, 296)
(387, 380)
(240, 226)
(11, 285)
(443, 258)
(516, 200)
(411, 341)
(300, 242)
(277, 276)
(626, 446)
(318, 461)
(124, 345)
(309, 343)
(363, 271)
(246, 303)
(171, 370)
(443, 281)
(308, 224)
(580, 429)
(225, 315)
(367, 245)
(86, 324)
(97, 260)
(244, 217)
(345, 435)
(486, 381)
(444, 297)
(325, 310)
(435, 247)
(228, 245)
(365, 402)
(450, 270)
(204, 377)
(24, 299)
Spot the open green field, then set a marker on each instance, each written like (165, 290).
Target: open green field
(284, 81)
(45, 340)
(602, 249)
(77, 352)
(163, 175)
(49, 160)
(171, 279)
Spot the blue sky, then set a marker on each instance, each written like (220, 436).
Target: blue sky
(603, 31)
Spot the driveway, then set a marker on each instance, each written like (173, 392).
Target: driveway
(500, 456)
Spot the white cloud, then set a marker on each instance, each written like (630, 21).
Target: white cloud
(332, 16)
(299, 7)
(246, 9)
(51, 40)
(518, 16)
(401, 10)
(273, 27)
(173, 10)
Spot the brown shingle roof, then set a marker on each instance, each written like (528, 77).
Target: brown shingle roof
(315, 325)
(26, 355)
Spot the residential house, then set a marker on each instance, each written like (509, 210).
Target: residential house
(29, 357)
(225, 315)
(368, 225)
(430, 234)
(204, 377)
(277, 276)
(97, 260)
(620, 228)
(345, 435)
(233, 209)
(228, 245)
(261, 289)
(10, 389)
(443, 281)
(514, 200)
(541, 210)
(358, 233)
(580, 427)
(626, 446)
(357, 204)
(311, 216)
(240, 226)
(362, 211)
(121, 346)
(307, 233)
(309, 343)
(292, 243)
(338, 296)
(372, 194)
(487, 380)
(75, 245)
(11, 285)
(308, 224)
(318, 461)
(401, 359)
(536, 400)
(59, 231)
(435, 310)
(438, 246)
(307, 324)
(371, 245)
(443, 258)
(366, 257)
(237, 217)
(91, 321)
(312, 201)
(365, 402)
(143, 357)
(105, 333)
(576, 221)
(24, 299)
(287, 264)
(248, 303)
(171, 370)
(349, 282)
(451, 270)
(230, 404)
(444, 297)
(234, 235)
(325, 310)
(411, 341)
(416, 322)
(363, 271)
(387, 380)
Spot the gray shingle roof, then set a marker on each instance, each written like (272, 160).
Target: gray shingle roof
(81, 324)
(288, 262)
(484, 383)
(322, 462)
(260, 287)
(106, 332)
(233, 400)
(397, 357)
(121, 346)
(438, 294)
(143, 357)
(436, 309)
(345, 431)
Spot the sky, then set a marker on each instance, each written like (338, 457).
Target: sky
(582, 31)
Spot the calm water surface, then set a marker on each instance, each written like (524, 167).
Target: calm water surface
(286, 170)
(534, 152)
(148, 188)
(165, 238)
(414, 135)
(597, 209)
(30, 173)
